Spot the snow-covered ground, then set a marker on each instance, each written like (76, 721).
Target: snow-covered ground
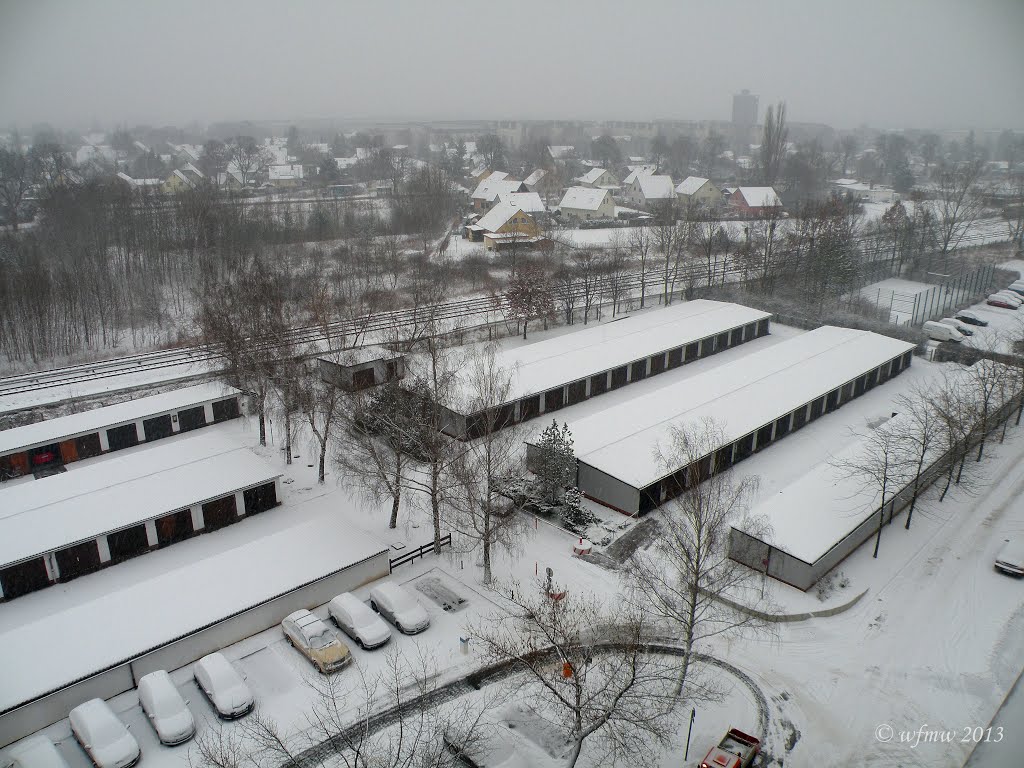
(896, 295)
(936, 642)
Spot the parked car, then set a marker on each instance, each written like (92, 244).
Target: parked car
(166, 709)
(356, 620)
(971, 318)
(961, 326)
(1017, 288)
(1013, 297)
(103, 737)
(223, 686)
(397, 605)
(34, 752)
(942, 332)
(314, 639)
(995, 300)
(1010, 558)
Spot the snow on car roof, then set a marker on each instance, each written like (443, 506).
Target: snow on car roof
(84, 502)
(553, 362)
(122, 612)
(739, 397)
(52, 430)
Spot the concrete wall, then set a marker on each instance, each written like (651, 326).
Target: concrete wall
(607, 490)
(45, 710)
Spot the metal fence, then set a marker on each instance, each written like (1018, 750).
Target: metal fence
(937, 301)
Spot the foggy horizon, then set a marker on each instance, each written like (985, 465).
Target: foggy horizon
(915, 64)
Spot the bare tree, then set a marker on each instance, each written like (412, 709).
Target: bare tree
(489, 463)
(687, 578)
(922, 433)
(18, 172)
(321, 405)
(773, 143)
(248, 158)
(956, 206)
(848, 144)
(617, 698)
(529, 295)
(985, 383)
(953, 402)
(640, 245)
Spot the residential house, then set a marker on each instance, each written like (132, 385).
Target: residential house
(755, 201)
(177, 182)
(230, 179)
(286, 176)
(506, 224)
(584, 204)
(649, 190)
(561, 151)
(529, 202)
(545, 183)
(598, 178)
(699, 192)
(485, 196)
(140, 185)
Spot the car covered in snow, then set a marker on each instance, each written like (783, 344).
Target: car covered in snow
(941, 332)
(1014, 298)
(223, 686)
(995, 300)
(397, 605)
(358, 621)
(1010, 558)
(1017, 287)
(34, 752)
(961, 326)
(971, 318)
(311, 637)
(104, 738)
(166, 709)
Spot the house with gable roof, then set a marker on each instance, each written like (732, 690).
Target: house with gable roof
(584, 204)
(485, 196)
(698, 191)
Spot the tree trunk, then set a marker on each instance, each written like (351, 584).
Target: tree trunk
(487, 546)
(263, 427)
(395, 501)
(576, 749)
(323, 459)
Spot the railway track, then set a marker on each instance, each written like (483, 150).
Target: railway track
(313, 339)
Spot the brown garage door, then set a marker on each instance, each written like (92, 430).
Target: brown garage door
(20, 579)
(175, 527)
(217, 514)
(128, 542)
(78, 560)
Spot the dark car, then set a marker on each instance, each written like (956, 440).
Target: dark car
(971, 318)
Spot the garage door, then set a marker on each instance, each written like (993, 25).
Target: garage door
(158, 427)
(191, 418)
(175, 527)
(20, 579)
(88, 445)
(122, 437)
(217, 514)
(260, 499)
(78, 560)
(225, 409)
(128, 542)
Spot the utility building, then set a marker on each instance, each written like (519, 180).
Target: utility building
(44, 448)
(755, 401)
(568, 369)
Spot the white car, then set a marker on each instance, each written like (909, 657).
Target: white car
(314, 639)
(34, 752)
(961, 326)
(223, 686)
(1010, 558)
(103, 737)
(165, 708)
(397, 605)
(356, 620)
(1013, 297)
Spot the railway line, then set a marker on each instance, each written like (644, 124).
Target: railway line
(459, 313)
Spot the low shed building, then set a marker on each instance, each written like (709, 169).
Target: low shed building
(97, 516)
(45, 447)
(551, 374)
(362, 369)
(755, 401)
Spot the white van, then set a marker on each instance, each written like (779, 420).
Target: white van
(961, 326)
(942, 332)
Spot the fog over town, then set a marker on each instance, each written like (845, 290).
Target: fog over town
(445, 385)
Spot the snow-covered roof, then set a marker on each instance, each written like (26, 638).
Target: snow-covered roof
(64, 427)
(140, 146)
(525, 201)
(85, 502)
(138, 182)
(760, 197)
(497, 217)
(591, 176)
(166, 596)
(559, 151)
(553, 362)
(288, 172)
(181, 175)
(494, 185)
(690, 185)
(534, 177)
(636, 171)
(583, 198)
(657, 187)
(739, 397)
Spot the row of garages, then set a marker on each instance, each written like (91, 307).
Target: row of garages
(627, 456)
(566, 370)
(45, 447)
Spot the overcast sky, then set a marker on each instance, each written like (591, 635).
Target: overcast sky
(888, 63)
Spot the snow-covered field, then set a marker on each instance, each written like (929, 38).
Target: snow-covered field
(936, 642)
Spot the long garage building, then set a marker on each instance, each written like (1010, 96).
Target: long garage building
(44, 448)
(551, 374)
(754, 401)
(100, 515)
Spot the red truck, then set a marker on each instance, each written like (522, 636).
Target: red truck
(736, 750)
